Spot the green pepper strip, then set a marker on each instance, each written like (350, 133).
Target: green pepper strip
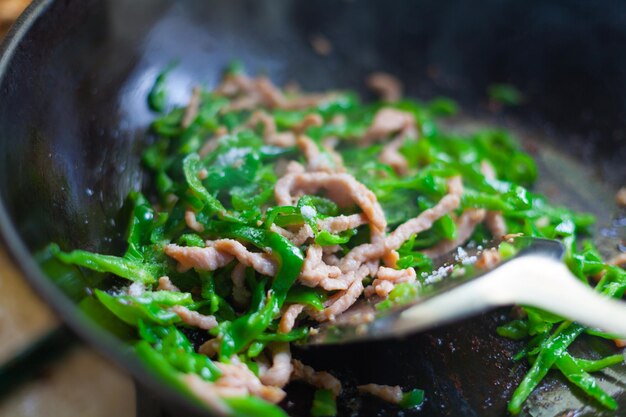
(552, 350)
(597, 365)
(126, 268)
(238, 334)
(584, 381)
(191, 167)
(324, 404)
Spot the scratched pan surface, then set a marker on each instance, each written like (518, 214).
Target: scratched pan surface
(73, 80)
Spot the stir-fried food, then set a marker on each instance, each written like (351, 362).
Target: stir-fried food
(268, 212)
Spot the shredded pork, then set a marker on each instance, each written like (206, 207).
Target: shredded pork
(204, 259)
(321, 379)
(279, 373)
(192, 222)
(495, 223)
(386, 280)
(241, 295)
(386, 122)
(193, 318)
(391, 156)
(465, 226)
(392, 394)
(488, 259)
(261, 262)
(191, 112)
(165, 284)
(316, 273)
(208, 393)
(341, 301)
(620, 197)
(236, 377)
(289, 316)
(311, 182)
(388, 87)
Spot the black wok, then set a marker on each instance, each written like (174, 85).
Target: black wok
(73, 79)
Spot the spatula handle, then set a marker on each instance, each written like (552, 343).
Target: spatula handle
(532, 280)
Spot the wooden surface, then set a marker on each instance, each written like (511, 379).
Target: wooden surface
(9, 11)
(81, 383)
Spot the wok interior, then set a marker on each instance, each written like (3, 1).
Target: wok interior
(73, 117)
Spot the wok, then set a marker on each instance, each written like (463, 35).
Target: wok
(73, 79)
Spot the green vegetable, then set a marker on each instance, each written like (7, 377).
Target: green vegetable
(324, 404)
(516, 330)
(413, 398)
(572, 371)
(551, 350)
(178, 351)
(505, 94)
(126, 268)
(157, 97)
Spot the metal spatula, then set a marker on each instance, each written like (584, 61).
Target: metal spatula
(536, 276)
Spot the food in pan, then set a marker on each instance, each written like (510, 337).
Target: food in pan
(268, 212)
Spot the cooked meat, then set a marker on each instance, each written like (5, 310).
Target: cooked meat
(210, 348)
(207, 392)
(311, 182)
(288, 319)
(316, 159)
(165, 284)
(311, 119)
(270, 133)
(203, 174)
(488, 170)
(316, 273)
(388, 87)
(193, 318)
(248, 93)
(618, 260)
(236, 375)
(279, 373)
(488, 259)
(426, 219)
(380, 246)
(321, 379)
(241, 295)
(387, 278)
(380, 288)
(205, 259)
(261, 262)
(212, 143)
(391, 258)
(620, 197)
(342, 223)
(271, 95)
(191, 112)
(329, 144)
(341, 301)
(391, 156)
(298, 238)
(392, 394)
(510, 236)
(321, 45)
(192, 222)
(396, 275)
(495, 223)
(386, 122)
(465, 226)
